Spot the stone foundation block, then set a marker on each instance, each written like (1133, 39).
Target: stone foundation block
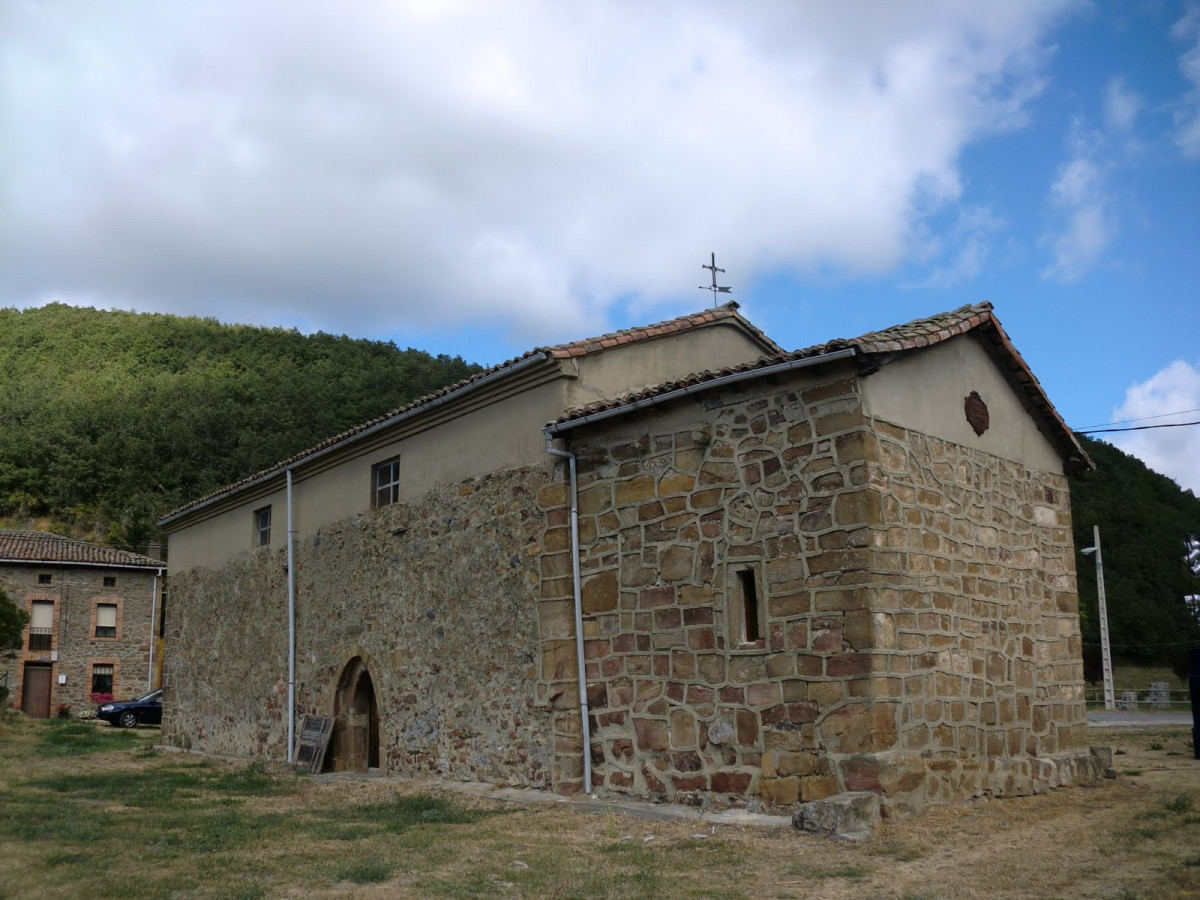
(849, 816)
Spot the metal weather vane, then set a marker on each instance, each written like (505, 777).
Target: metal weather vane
(714, 287)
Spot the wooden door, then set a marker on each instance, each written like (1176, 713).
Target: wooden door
(35, 691)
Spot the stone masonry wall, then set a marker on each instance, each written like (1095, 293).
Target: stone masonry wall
(75, 591)
(980, 614)
(435, 596)
(682, 710)
(919, 628)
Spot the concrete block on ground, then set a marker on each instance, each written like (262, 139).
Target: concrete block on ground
(850, 816)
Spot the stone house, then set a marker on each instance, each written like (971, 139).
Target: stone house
(844, 568)
(91, 611)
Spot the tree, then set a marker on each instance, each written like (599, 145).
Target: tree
(12, 623)
(1145, 519)
(111, 419)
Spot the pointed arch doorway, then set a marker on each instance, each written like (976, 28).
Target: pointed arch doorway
(355, 740)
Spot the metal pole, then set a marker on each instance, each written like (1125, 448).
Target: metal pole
(291, 617)
(153, 608)
(1105, 652)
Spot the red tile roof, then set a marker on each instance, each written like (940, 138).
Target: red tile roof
(897, 339)
(44, 547)
(660, 329)
(727, 312)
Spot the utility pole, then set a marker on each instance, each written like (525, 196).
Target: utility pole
(1105, 651)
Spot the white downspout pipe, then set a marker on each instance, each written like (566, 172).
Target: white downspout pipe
(291, 584)
(585, 728)
(153, 606)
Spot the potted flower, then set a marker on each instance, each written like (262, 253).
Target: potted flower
(64, 710)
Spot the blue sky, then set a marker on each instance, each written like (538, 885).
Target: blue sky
(478, 178)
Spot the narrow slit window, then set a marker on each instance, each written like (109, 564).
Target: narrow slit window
(751, 628)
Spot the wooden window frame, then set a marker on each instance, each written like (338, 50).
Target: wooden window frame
(385, 493)
(53, 635)
(97, 602)
(116, 671)
(262, 535)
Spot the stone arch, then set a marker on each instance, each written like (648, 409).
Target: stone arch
(354, 745)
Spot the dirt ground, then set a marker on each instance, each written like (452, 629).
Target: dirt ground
(1135, 836)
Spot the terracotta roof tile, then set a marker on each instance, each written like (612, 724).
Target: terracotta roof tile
(44, 547)
(909, 336)
(569, 350)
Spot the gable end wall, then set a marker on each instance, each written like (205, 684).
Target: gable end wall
(920, 633)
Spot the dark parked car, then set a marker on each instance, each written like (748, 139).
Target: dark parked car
(146, 709)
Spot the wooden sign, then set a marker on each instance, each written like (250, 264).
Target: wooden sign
(314, 740)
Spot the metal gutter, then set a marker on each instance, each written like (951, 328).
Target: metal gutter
(153, 636)
(520, 365)
(699, 387)
(291, 617)
(585, 726)
(94, 565)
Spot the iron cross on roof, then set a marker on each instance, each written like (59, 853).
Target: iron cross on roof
(714, 287)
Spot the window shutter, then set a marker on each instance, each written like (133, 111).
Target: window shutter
(43, 615)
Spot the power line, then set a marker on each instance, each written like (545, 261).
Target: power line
(1178, 412)
(1134, 428)
(1144, 646)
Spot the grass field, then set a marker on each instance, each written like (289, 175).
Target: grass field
(1139, 678)
(89, 811)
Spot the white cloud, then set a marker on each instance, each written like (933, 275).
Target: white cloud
(960, 255)
(1187, 116)
(364, 166)
(1121, 106)
(1175, 452)
(1081, 194)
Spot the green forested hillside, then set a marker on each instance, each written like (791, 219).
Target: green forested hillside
(1143, 518)
(110, 419)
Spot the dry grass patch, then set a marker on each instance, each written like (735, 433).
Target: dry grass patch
(114, 817)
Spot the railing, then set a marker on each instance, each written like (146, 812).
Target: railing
(40, 638)
(1144, 700)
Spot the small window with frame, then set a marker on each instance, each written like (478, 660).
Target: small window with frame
(102, 678)
(45, 578)
(110, 580)
(41, 625)
(745, 606)
(262, 526)
(106, 620)
(385, 483)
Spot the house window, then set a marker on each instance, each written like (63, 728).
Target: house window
(41, 625)
(44, 579)
(110, 580)
(385, 478)
(106, 620)
(262, 526)
(102, 678)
